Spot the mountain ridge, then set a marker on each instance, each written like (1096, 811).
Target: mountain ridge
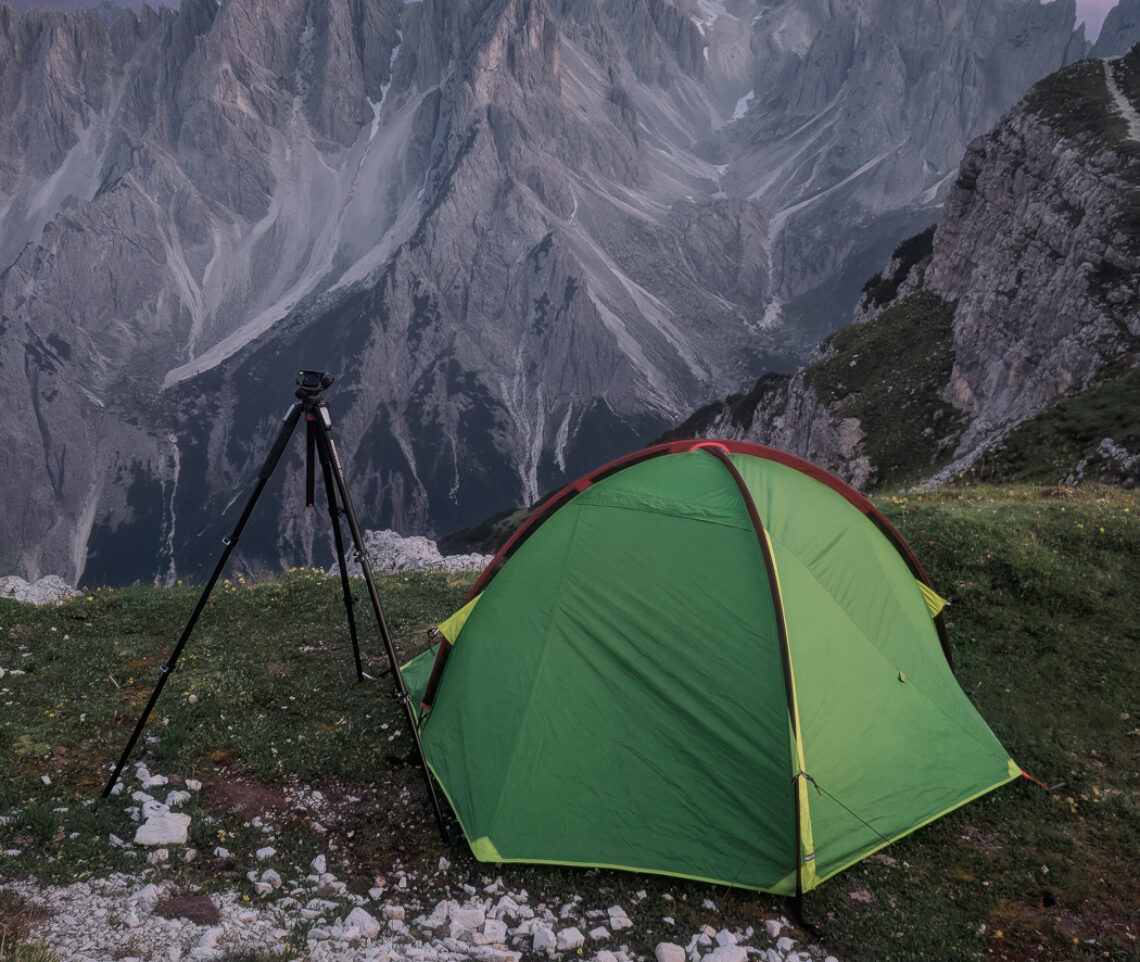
(525, 235)
(1022, 304)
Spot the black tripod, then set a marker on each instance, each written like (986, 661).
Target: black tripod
(310, 403)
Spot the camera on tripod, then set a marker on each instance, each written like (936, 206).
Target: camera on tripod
(311, 383)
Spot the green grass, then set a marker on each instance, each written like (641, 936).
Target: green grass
(1047, 447)
(265, 705)
(889, 373)
(1076, 102)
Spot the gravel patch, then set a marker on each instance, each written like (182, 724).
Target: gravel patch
(307, 912)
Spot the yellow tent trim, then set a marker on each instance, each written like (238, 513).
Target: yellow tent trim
(484, 850)
(934, 601)
(451, 628)
(807, 879)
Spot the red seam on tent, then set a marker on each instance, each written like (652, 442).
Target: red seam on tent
(676, 447)
(720, 452)
(709, 444)
(552, 504)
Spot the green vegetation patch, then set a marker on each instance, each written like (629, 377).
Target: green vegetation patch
(889, 373)
(1076, 102)
(880, 289)
(1048, 447)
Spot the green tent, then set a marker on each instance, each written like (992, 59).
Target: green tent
(710, 660)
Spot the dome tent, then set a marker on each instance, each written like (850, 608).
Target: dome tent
(711, 660)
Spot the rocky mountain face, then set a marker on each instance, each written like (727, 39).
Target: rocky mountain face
(1015, 324)
(525, 234)
(1120, 31)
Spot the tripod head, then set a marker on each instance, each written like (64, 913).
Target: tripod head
(310, 384)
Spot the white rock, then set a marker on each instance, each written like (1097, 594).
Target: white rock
(388, 553)
(774, 927)
(601, 932)
(158, 855)
(544, 940)
(727, 953)
(169, 829)
(394, 912)
(193, 784)
(264, 853)
(496, 955)
(438, 916)
(319, 865)
(785, 944)
(724, 937)
(467, 917)
(176, 798)
(668, 952)
(506, 907)
(147, 895)
(271, 878)
(495, 930)
(48, 590)
(369, 927)
(570, 939)
(605, 956)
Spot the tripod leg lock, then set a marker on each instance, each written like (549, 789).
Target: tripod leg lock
(166, 668)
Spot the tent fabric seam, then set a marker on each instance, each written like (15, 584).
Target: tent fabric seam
(879, 652)
(764, 544)
(533, 692)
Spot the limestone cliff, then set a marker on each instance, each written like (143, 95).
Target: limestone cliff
(1022, 307)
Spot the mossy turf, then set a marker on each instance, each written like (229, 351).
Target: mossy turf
(889, 373)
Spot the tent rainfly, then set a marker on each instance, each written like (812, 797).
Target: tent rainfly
(710, 660)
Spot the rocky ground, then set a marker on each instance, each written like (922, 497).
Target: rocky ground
(307, 912)
(388, 553)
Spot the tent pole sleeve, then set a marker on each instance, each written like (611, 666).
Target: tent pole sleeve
(797, 764)
(433, 679)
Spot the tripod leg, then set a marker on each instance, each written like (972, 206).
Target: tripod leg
(171, 663)
(310, 439)
(328, 449)
(345, 587)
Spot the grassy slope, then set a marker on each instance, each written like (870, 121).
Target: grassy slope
(889, 373)
(1049, 446)
(1043, 625)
